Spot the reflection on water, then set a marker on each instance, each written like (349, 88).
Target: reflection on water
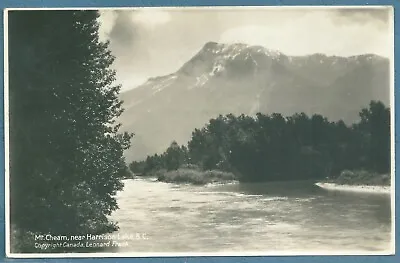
(265, 217)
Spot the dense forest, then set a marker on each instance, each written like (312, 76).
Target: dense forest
(66, 151)
(274, 147)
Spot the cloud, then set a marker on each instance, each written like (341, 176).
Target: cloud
(361, 15)
(150, 42)
(127, 42)
(120, 23)
(151, 17)
(106, 20)
(314, 32)
(123, 32)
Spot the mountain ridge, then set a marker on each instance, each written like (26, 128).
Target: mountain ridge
(290, 57)
(244, 79)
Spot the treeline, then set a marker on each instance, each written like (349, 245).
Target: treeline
(273, 147)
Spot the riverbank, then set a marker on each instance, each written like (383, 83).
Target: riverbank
(356, 188)
(361, 177)
(358, 181)
(194, 176)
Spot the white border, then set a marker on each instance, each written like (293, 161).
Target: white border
(6, 139)
(391, 251)
(392, 132)
(321, 7)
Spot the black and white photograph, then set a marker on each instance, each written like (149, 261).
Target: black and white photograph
(197, 131)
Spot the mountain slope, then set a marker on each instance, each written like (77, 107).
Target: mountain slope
(238, 78)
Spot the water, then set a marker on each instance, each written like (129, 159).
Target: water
(287, 217)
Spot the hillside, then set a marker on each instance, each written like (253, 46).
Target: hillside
(239, 78)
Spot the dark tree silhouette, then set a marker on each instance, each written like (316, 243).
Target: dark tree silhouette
(375, 127)
(272, 147)
(66, 158)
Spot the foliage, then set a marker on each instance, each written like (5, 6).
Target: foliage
(273, 147)
(66, 154)
(185, 175)
(173, 158)
(375, 128)
(362, 177)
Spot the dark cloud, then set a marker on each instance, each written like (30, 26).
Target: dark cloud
(123, 32)
(362, 15)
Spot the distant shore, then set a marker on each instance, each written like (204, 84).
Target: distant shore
(358, 181)
(379, 189)
(192, 175)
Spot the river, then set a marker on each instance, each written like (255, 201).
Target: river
(265, 218)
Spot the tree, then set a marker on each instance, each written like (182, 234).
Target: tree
(271, 147)
(375, 126)
(66, 152)
(174, 156)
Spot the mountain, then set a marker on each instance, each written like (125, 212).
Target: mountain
(239, 78)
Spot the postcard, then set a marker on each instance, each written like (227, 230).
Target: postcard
(199, 131)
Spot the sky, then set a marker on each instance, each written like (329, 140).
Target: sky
(150, 42)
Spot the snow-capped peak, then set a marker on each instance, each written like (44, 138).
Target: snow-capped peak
(233, 50)
(215, 58)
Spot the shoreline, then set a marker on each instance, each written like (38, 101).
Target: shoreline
(372, 189)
